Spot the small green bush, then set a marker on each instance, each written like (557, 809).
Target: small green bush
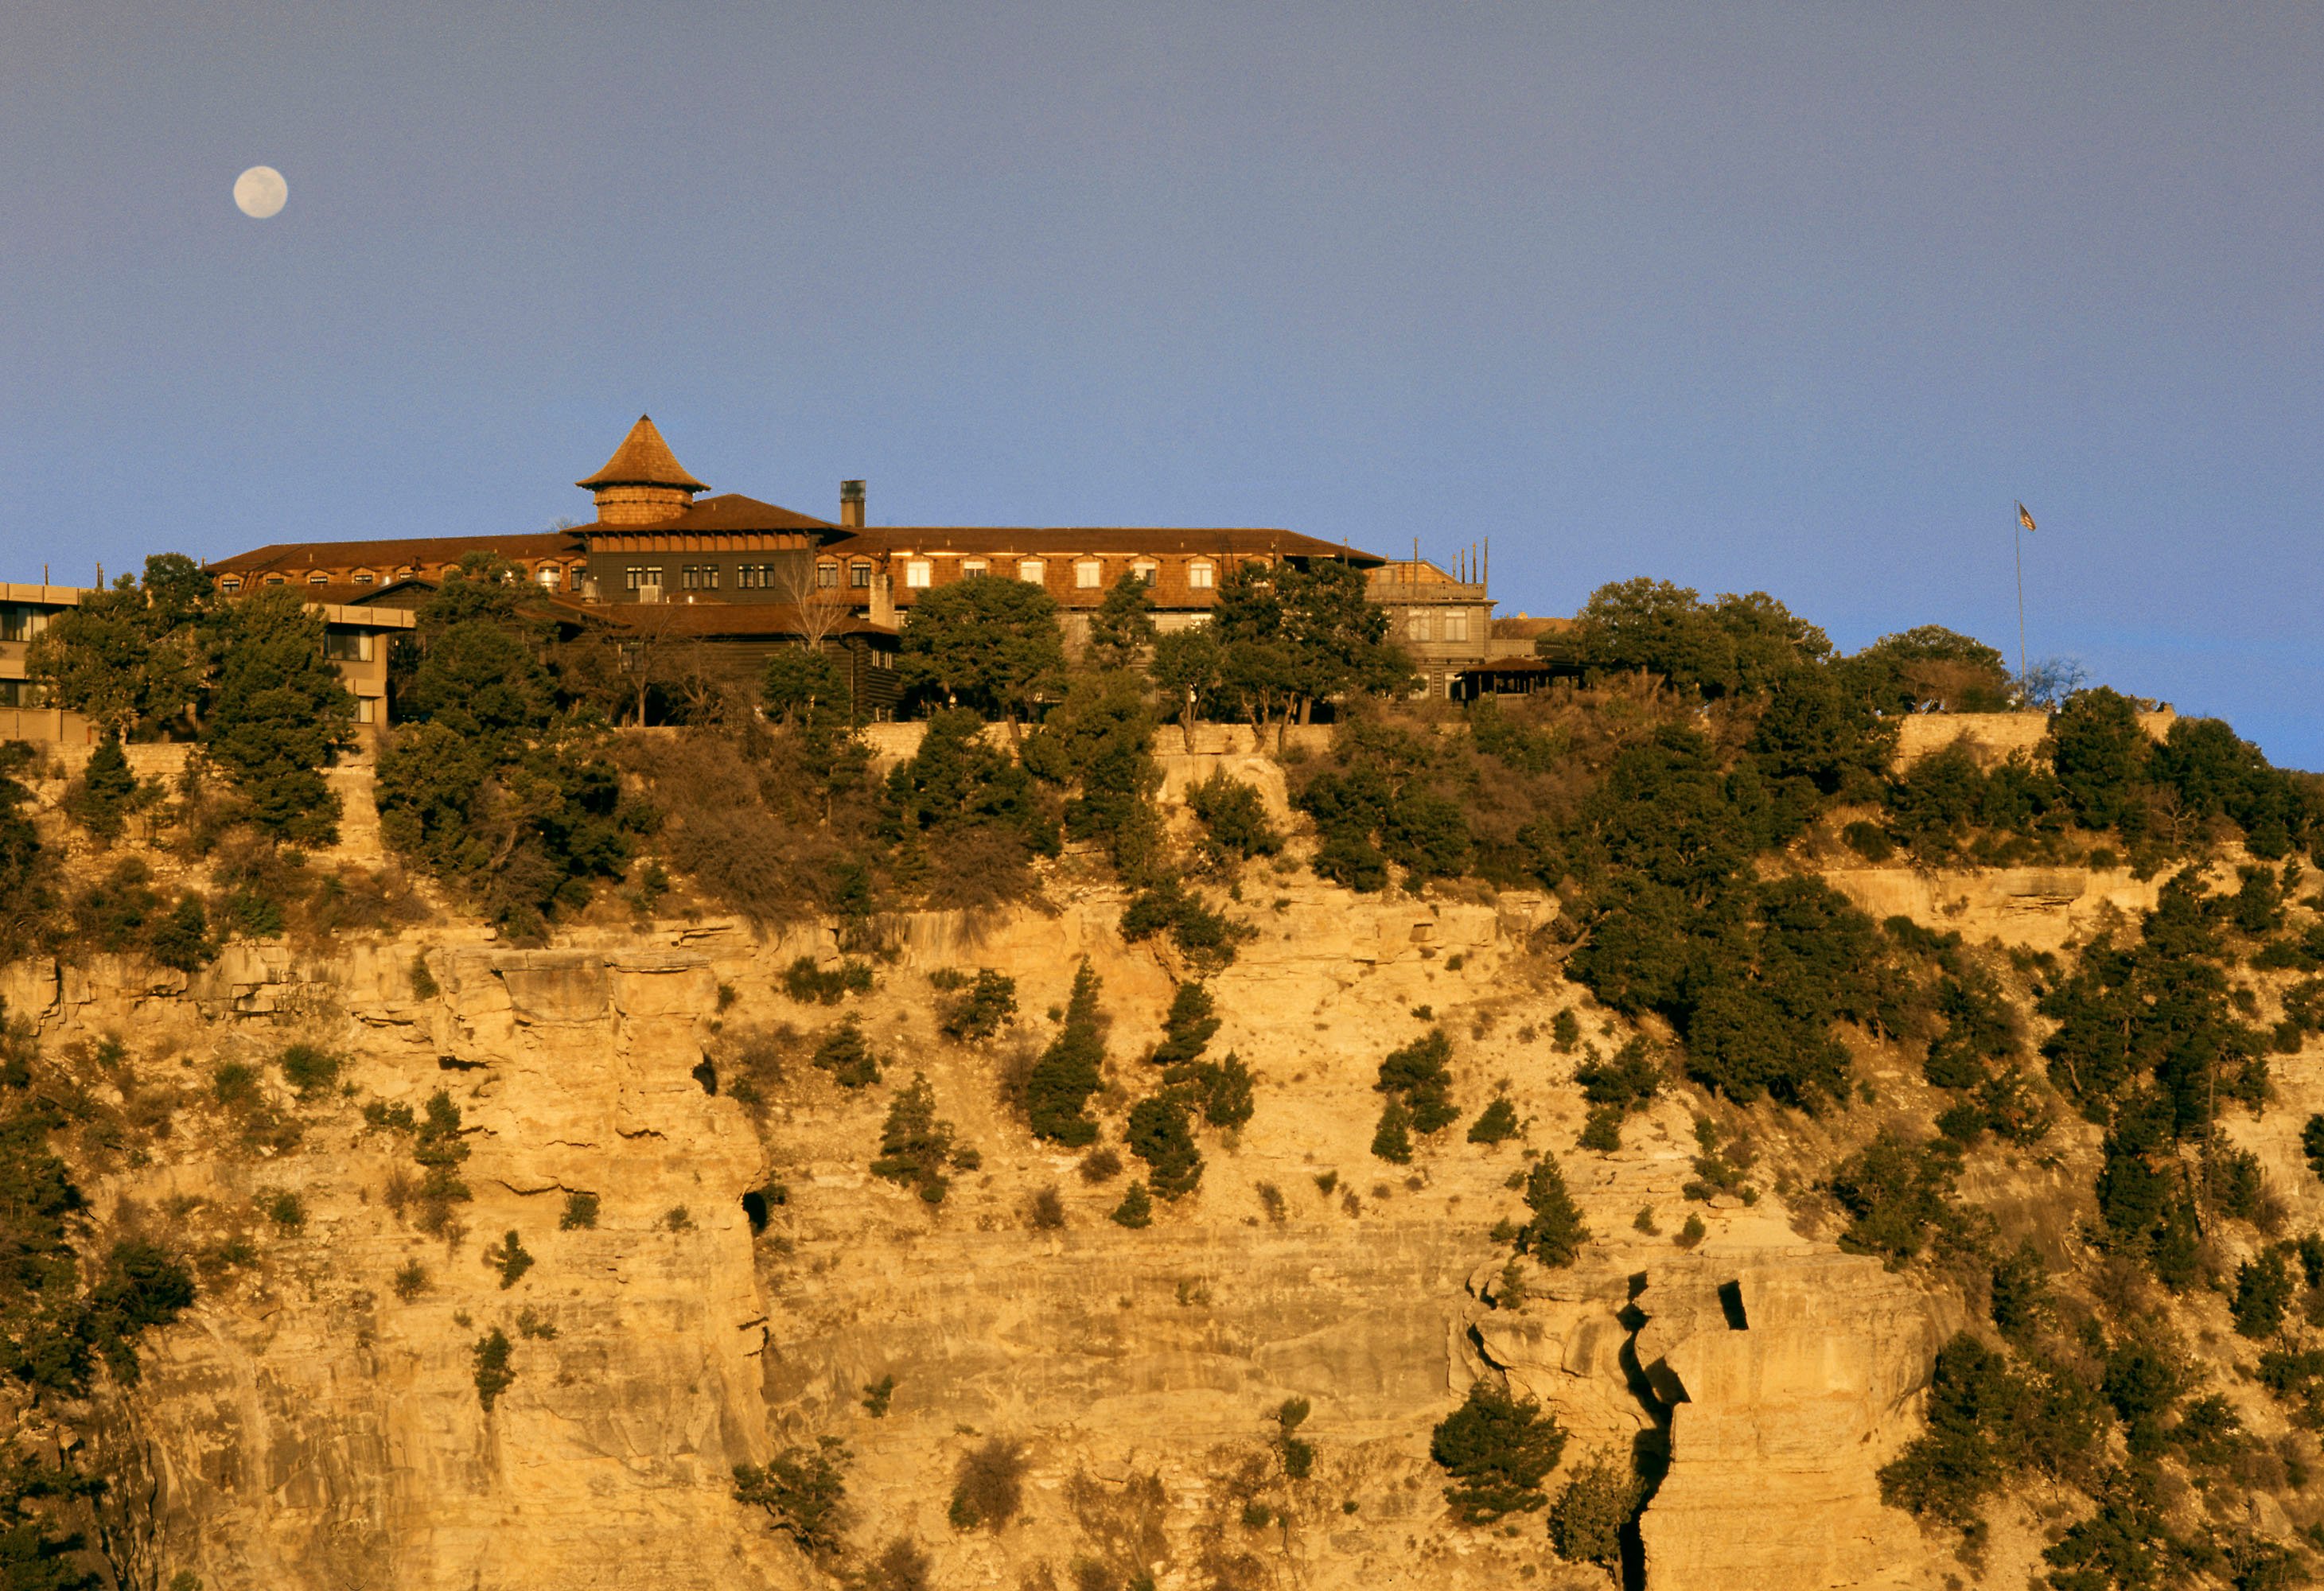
(508, 1256)
(1556, 1234)
(1585, 1523)
(1100, 1166)
(1496, 1124)
(494, 1372)
(803, 1491)
(580, 1213)
(308, 1071)
(877, 1395)
(1417, 1075)
(1070, 1070)
(1693, 1233)
(285, 1208)
(847, 1055)
(1564, 1031)
(1136, 1209)
(1158, 1135)
(979, 1013)
(988, 1485)
(1234, 820)
(423, 981)
(411, 1280)
(1497, 1450)
(915, 1146)
(811, 985)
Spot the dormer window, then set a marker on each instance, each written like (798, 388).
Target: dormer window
(365, 577)
(230, 585)
(826, 576)
(1201, 575)
(319, 578)
(918, 573)
(1143, 568)
(1032, 571)
(1089, 575)
(975, 566)
(859, 575)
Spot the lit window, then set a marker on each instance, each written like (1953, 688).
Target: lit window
(918, 573)
(859, 575)
(1416, 625)
(548, 576)
(363, 709)
(1089, 575)
(1201, 576)
(1031, 571)
(1144, 569)
(1456, 624)
(573, 578)
(347, 645)
(319, 578)
(973, 567)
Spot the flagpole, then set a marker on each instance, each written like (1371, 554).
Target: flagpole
(2017, 537)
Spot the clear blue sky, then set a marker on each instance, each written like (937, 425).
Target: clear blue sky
(1801, 298)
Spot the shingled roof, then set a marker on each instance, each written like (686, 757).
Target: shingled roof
(727, 513)
(416, 550)
(1064, 541)
(643, 459)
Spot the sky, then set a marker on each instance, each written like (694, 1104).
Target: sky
(1799, 297)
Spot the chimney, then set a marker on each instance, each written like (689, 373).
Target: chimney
(851, 504)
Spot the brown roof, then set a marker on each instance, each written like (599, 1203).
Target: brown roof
(1525, 627)
(394, 553)
(1064, 541)
(643, 459)
(728, 512)
(707, 620)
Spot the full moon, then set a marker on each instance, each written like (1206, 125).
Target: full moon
(260, 192)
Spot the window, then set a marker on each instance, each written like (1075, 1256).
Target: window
(365, 709)
(365, 577)
(18, 624)
(573, 577)
(23, 693)
(274, 580)
(1456, 624)
(1144, 569)
(699, 576)
(859, 575)
(343, 645)
(1416, 625)
(547, 575)
(826, 576)
(319, 578)
(230, 585)
(918, 573)
(1201, 576)
(1089, 575)
(641, 577)
(1032, 571)
(975, 566)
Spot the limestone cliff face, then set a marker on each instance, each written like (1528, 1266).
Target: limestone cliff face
(310, 1424)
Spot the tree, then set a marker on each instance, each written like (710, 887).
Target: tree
(25, 868)
(915, 1146)
(1158, 1135)
(278, 716)
(1291, 637)
(803, 1491)
(802, 685)
(102, 798)
(1070, 1070)
(1497, 1450)
(985, 642)
(1585, 1523)
(1927, 666)
(1187, 672)
(1738, 645)
(2100, 754)
(1556, 1234)
(1122, 629)
(1095, 741)
(117, 658)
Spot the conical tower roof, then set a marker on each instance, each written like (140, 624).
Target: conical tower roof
(643, 459)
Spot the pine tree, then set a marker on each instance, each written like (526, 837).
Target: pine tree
(1186, 1031)
(1122, 628)
(1556, 1233)
(1070, 1070)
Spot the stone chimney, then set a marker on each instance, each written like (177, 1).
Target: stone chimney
(643, 482)
(851, 504)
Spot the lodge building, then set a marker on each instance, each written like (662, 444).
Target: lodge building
(666, 561)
